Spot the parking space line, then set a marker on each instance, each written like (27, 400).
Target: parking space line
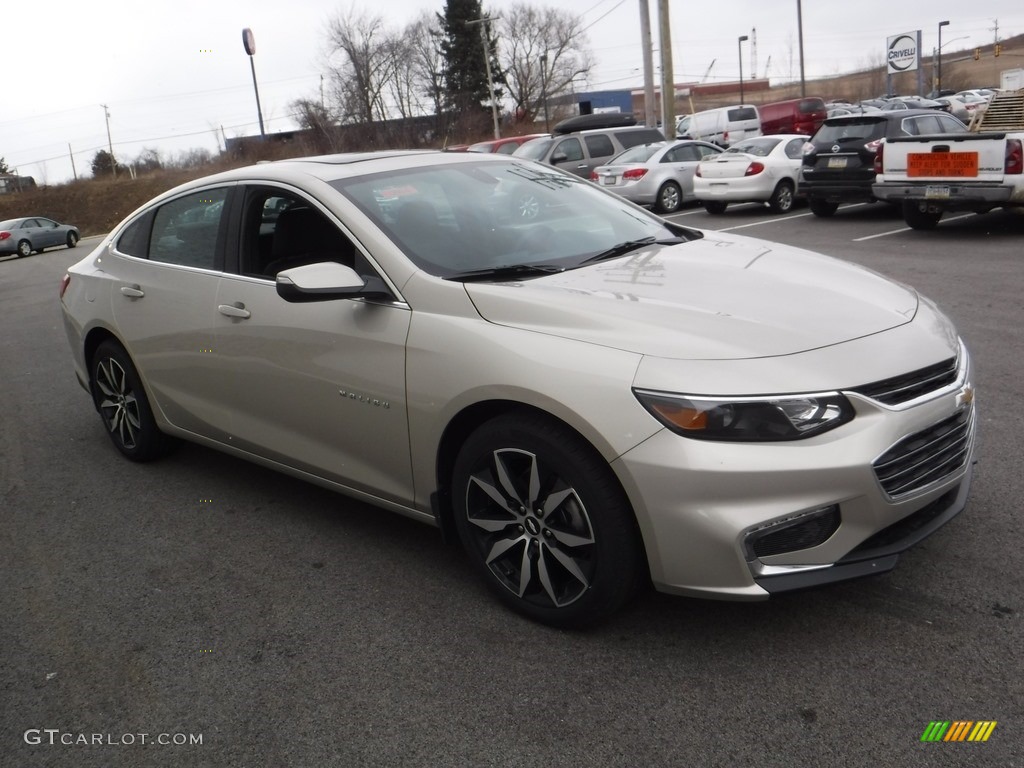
(904, 229)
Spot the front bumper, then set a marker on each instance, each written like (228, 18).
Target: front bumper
(701, 503)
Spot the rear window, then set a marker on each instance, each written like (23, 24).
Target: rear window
(742, 113)
(638, 154)
(641, 136)
(760, 147)
(850, 130)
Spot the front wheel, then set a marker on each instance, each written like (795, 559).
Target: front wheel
(544, 521)
(783, 197)
(822, 208)
(921, 215)
(122, 403)
(670, 197)
(715, 206)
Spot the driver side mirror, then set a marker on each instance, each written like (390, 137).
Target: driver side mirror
(327, 281)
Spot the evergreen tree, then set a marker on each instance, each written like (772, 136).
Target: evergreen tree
(465, 75)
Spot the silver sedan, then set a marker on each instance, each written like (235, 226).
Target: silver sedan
(34, 233)
(658, 175)
(591, 400)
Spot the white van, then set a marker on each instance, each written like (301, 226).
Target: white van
(722, 126)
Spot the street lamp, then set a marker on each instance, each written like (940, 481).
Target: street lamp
(938, 73)
(487, 63)
(739, 48)
(249, 43)
(544, 89)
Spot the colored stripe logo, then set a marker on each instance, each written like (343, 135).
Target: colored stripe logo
(958, 730)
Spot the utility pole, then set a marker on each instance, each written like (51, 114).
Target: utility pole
(668, 80)
(487, 63)
(650, 118)
(110, 144)
(800, 34)
(72, 156)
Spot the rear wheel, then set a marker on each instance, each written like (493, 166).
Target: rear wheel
(782, 197)
(544, 521)
(670, 197)
(72, 239)
(921, 215)
(715, 206)
(24, 248)
(823, 208)
(121, 401)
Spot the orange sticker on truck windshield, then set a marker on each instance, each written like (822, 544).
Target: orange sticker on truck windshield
(958, 164)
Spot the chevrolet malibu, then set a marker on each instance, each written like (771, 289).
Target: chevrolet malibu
(591, 399)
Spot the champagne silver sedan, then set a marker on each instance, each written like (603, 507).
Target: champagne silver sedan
(591, 399)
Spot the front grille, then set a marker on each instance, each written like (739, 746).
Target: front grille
(811, 532)
(901, 389)
(926, 456)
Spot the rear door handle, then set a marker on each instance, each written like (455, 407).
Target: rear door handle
(234, 310)
(132, 291)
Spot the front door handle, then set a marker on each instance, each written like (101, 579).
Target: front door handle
(234, 310)
(132, 291)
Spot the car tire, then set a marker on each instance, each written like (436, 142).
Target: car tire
(920, 216)
(544, 521)
(24, 248)
(72, 239)
(670, 197)
(783, 197)
(715, 206)
(822, 208)
(122, 404)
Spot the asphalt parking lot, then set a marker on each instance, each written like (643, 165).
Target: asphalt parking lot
(205, 599)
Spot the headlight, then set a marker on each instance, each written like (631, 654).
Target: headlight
(745, 419)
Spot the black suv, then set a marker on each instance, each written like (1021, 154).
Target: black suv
(839, 160)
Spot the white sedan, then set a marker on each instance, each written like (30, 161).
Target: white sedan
(763, 169)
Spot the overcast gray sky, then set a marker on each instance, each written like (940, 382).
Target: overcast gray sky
(173, 72)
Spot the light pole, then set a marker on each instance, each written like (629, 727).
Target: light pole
(544, 89)
(487, 63)
(249, 41)
(938, 71)
(739, 48)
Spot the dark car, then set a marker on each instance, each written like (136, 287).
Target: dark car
(34, 233)
(839, 160)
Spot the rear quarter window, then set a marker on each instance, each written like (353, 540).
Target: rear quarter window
(643, 136)
(742, 113)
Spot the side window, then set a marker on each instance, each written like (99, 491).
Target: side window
(599, 146)
(281, 230)
(795, 149)
(185, 230)
(134, 240)
(571, 148)
(687, 154)
(507, 149)
(949, 124)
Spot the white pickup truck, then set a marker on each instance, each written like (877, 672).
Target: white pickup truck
(976, 171)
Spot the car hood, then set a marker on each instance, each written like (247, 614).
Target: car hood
(717, 298)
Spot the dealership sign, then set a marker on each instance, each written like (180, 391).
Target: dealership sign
(901, 52)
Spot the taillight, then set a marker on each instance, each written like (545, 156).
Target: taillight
(753, 169)
(64, 283)
(872, 146)
(1014, 157)
(634, 173)
(878, 158)
(697, 172)
(4, 235)
(808, 148)
(593, 175)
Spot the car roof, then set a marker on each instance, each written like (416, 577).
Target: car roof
(882, 115)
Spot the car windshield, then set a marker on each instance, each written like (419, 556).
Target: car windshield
(464, 218)
(534, 149)
(638, 154)
(756, 147)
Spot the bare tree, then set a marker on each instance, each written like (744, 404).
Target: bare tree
(531, 33)
(362, 62)
(318, 120)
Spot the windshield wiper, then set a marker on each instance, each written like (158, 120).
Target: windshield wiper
(508, 272)
(631, 245)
